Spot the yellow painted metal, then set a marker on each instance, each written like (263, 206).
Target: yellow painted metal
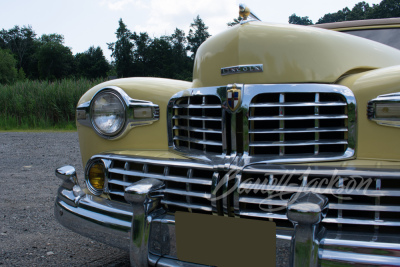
(375, 141)
(152, 137)
(289, 53)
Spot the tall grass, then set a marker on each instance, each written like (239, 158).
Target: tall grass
(41, 105)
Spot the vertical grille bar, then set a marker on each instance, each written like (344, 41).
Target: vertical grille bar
(270, 182)
(378, 184)
(189, 188)
(340, 201)
(316, 112)
(203, 113)
(188, 121)
(281, 124)
(126, 167)
(166, 174)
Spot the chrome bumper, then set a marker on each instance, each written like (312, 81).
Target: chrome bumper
(148, 231)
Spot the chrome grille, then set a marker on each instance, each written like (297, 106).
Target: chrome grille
(274, 122)
(197, 123)
(298, 123)
(186, 187)
(357, 198)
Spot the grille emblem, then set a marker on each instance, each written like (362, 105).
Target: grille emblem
(233, 98)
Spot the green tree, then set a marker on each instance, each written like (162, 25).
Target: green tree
(385, 9)
(197, 35)
(8, 72)
(122, 51)
(294, 19)
(360, 11)
(141, 55)
(341, 15)
(55, 61)
(92, 64)
(181, 64)
(21, 41)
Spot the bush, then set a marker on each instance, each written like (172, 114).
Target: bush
(41, 105)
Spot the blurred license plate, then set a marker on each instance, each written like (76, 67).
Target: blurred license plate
(224, 241)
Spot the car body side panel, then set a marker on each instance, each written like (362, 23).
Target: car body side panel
(375, 141)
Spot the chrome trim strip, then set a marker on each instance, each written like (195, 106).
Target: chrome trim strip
(84, 117)
(198, 106)
(185, 205)
(195, 118)
(332, 206)
(296, 104)
(357, 258)
(331, 191)
(310, 117)
(296, 143)
(196, 129)
(197, 141)
(187, 193)
(301, 130)
(161, 177)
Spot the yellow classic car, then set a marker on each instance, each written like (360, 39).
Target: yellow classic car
(287, 133)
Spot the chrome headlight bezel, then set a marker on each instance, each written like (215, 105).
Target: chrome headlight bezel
(389, 100)
(137, 112)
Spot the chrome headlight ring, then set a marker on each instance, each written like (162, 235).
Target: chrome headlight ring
(112, 113)
(108, 113)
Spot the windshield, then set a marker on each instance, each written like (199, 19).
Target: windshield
(389, 37)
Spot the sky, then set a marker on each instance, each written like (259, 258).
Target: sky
(85, 23)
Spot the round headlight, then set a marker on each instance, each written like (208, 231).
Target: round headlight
(108, 113)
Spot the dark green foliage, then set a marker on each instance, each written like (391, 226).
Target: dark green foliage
(92, 64)
(386, 9)
(165, 56)
(22, 43)
(122, 51)
(294, 19)
(362, 10)
(8, 71)
(55, 61)
(341, 15)
(197, 35)
(34, 104)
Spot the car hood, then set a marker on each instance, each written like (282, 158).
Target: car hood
(288, 53)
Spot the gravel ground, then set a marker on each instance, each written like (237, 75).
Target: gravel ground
(29, 233)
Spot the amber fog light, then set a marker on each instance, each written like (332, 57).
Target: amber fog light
(96, 177)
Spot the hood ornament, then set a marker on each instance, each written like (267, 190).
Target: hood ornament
(246, 14)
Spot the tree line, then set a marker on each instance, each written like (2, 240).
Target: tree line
(360, 11)
(23, 55)
(168, 56)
